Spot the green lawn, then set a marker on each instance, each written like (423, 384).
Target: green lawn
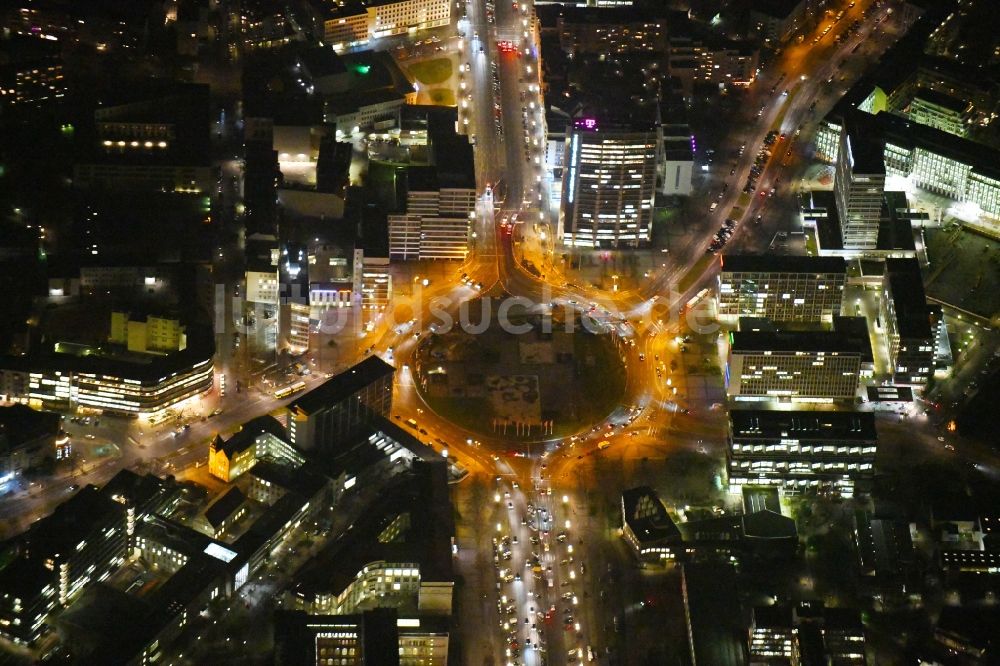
(431, 72)
(442, 97)
(685, 282)
(603, 382)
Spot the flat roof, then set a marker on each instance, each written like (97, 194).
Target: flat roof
(343, 385)
(146, 368)
(866, 147)
(944, 100)
(767, 524)
(20, 424)
(794, 341)
(909, 302)
(714, 614)
(811, 425)
(771, 263)
(72, 521)
(424, 495)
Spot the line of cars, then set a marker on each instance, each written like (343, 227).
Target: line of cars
(763, 155)
(722, 236)
(497, 112)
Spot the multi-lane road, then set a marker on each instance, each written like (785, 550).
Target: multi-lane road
(531, 606)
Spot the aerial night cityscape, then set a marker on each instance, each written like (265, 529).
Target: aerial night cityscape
(499, 332)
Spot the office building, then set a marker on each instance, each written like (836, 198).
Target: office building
(806, 633)
(28, 437)
(126, 383)
(971, 633)
(31, 73)
(80, 543)
(858, 185)
(941, 111)
(813, 366)
(610, 182)
(364, 110)
(147, 333)
(149, 138)
(356, 24)
(437, 220)
(383, 636)
(936, 161)
(801, 450)
(400, 556)
(912, 326)
(324, 417)
(713, 615)
(677, 160)
(647, 527)
(781, 288)
(924, 156)
(262, 438)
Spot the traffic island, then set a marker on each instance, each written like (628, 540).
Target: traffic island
(535, 377)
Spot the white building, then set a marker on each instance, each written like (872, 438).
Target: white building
(437, 220)
(349, 28)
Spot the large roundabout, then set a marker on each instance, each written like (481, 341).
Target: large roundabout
(520, 374)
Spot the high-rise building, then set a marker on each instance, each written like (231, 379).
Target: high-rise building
(809, 366)
(781, 288)
(912, 325)
(322, 419)
(437, 219)
(859, 184)
(798, 450)
(610, 181)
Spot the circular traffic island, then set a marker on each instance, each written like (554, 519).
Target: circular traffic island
(519, 374)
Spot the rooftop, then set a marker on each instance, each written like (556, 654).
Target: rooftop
(779, 9)
(146, 368)
(794, 341)
(224, 507)
(802, 425)
(740, 263)
(343, 385)
(20, 424)
(72, 522)
(909, 302)
(427, 542)
(646, 516)
(247, 435)
(865, 145)
(942, 100)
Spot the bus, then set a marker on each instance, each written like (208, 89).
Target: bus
(694, 300)
(286, 391)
